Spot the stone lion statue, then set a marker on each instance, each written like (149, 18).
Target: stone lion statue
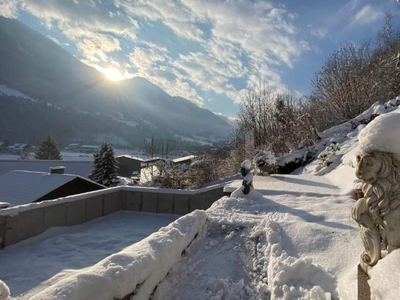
(378, 212)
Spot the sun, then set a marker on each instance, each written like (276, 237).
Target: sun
(113, 74)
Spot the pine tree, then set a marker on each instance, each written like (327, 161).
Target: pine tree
(104, 166)
(48, 149)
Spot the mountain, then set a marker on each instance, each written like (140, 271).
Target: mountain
(40, 69)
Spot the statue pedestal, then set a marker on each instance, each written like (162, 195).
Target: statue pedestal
(363, 287)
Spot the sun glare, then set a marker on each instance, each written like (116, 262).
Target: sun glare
(113, 74)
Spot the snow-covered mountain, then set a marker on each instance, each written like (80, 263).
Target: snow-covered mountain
(40, 69)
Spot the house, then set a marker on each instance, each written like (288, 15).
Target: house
(17, 148)
(128, 164)
(22, 187)
(152, 161)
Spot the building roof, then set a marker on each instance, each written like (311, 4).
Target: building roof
(22, 187)
(17, 146)
(81, 168)
(182, 159)
(130, 157)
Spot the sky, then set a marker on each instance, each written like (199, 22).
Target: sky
(207, 51)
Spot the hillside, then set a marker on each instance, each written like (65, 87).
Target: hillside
(40, 69)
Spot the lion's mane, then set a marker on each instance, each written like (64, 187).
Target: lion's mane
(378, 195)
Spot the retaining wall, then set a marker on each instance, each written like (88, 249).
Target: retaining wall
(22, 222)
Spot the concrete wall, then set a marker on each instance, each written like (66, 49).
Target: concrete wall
(20, 223)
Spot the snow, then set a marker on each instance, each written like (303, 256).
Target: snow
(64, 252)
(183, 159)
(4, 205)
(290, 238)
(5, 90)
(137, 268)
(385, 278)
(81, 168)
(4, 291)
(382, 134)
(35, 185)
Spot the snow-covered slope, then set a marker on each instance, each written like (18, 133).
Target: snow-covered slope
(5, 90)
(339, 144)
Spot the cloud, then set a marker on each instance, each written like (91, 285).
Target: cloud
(144, 58)
(8, 8)
(55, 40)
(235, 39)
(171, 13)
(321, 32)
(93, 28)
(367, 15)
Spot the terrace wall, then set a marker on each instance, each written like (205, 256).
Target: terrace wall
(25, 221)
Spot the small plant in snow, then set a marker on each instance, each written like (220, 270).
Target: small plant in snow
(324, 158)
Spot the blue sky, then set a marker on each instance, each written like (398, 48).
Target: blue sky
(208, 51)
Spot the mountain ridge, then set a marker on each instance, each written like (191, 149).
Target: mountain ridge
(42, 70)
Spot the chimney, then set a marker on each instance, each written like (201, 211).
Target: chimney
(57, 170)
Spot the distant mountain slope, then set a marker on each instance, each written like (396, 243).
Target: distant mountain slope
(39, 68)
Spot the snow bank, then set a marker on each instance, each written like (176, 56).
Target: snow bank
(4, 291)
(382, 134)
(385, 278)
(340, 140)
(287, 277)
(138, 268)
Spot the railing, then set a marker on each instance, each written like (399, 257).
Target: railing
(25, 221)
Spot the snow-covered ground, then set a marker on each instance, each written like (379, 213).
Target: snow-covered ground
(291, 238)
(39, 262)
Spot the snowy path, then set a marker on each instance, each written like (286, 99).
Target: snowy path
(258, 247)
(34, 264)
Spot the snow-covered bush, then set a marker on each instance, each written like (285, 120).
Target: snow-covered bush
(290, 162)
(265, 161)
(203, 169)
(326, 157)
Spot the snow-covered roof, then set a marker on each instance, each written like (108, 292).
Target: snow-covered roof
(90, 146)
(4, 205)
(182, 159)
(81, 168)
(17, 146)
(22, 187)
(131, 157)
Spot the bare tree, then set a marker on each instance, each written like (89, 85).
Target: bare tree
(344, 86)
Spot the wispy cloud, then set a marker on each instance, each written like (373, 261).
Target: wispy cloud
(320, 32)
(90, 25)
(367, 15)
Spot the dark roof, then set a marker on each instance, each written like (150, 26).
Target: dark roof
(22, 187)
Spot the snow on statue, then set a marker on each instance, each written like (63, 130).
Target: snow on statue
(4, 291)
(247, 183)
(378, 166)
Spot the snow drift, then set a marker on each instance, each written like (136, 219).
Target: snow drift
(136, 270)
